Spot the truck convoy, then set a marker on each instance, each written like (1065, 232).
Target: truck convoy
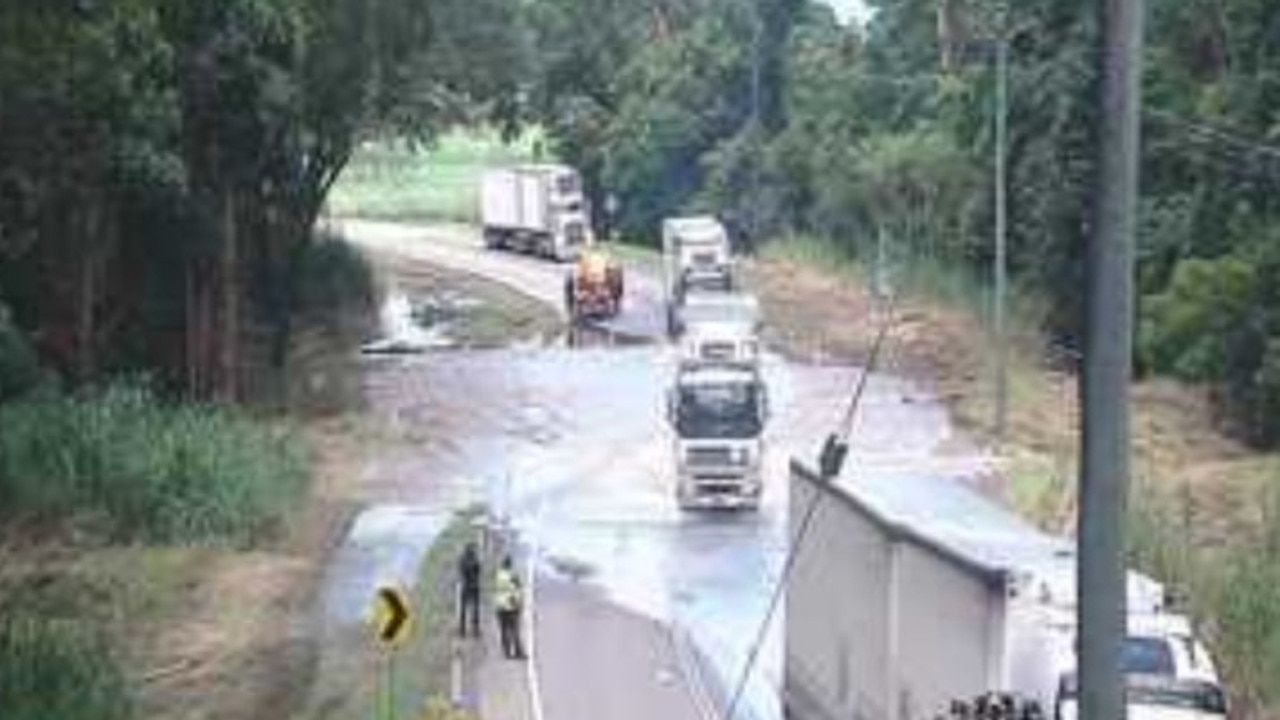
(718, 404)
(696, 257)
(536, 209)
(913, 595)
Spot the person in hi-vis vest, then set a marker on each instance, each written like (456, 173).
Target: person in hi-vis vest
(508, 602)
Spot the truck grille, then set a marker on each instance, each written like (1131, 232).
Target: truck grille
(710, 456)
(717, 351)
(719, 488)
(575, 233)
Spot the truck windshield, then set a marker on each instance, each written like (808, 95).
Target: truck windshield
(568, 184)
(723, 410)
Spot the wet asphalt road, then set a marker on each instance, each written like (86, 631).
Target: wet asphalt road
(571, 445)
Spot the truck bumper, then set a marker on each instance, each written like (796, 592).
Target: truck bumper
(710, 490)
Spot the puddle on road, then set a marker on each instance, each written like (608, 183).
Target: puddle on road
(588, 336)
(409, 328)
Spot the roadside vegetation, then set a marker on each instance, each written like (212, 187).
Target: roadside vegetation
(122, 460)
(396, 180)
(165, 166)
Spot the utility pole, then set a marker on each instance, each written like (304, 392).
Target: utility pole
(1001, 298)
(757, 132)
(1104, 389)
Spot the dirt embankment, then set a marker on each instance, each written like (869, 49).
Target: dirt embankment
(824, 314)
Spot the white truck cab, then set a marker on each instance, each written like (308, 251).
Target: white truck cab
(697, 257)
(718, 413)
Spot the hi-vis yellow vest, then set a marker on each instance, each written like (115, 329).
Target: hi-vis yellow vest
(506, 590)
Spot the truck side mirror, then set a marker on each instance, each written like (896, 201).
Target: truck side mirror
(671, 407)
(765, 410)
(831, 460)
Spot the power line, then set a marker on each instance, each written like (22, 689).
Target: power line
(837, 443)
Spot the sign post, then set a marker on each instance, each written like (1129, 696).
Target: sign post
(392, 620)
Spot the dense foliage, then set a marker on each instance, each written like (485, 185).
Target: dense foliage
(885, 133)
(163, 162)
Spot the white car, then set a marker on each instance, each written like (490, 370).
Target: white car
(1169, 674)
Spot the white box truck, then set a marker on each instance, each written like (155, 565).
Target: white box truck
(718, 409)
(911, 594)
(696, 256)
(718, 412)
(536, 209)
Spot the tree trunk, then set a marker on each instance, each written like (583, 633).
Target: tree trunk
(87, 295)
(229, 349)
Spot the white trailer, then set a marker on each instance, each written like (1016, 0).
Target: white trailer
(721, 323)
(912, 592)
(537, 209)
(696, 256)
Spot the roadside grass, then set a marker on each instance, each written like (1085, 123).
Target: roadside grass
(431, 650)
(634, 251)
(1233, 591)
(125, 464)
(390, 180)
(59, 668)
(69, 626)
(112, 503)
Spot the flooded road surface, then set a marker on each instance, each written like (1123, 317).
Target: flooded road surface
(571, 445)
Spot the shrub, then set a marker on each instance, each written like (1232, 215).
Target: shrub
(153, 471)
(19, 370)
(332, 276)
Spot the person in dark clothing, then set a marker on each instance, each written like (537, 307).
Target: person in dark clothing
(469, 573)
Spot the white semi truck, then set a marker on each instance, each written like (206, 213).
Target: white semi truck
(911, 593)
(718, 408)
(536, 209)
(696, 258)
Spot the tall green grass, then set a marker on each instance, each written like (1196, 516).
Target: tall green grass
(1233, 590)
(144, 469)
(391, 180)
(59, 668)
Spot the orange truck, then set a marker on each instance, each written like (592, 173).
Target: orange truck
(593, 288)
